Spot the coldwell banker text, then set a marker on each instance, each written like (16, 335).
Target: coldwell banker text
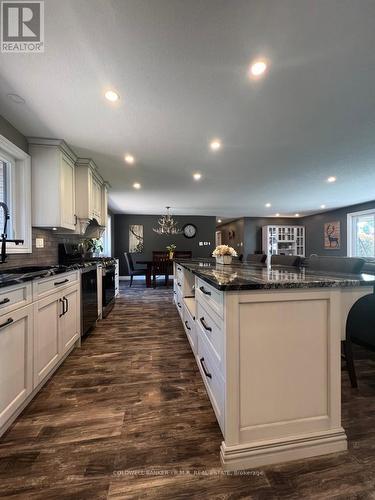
(22, 27)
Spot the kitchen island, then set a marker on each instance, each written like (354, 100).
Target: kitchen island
(267, 344)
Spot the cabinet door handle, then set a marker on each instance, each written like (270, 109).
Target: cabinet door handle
(179, 305)
(187, 325)
(61, 282)
(207, 373)
(67, 305)
(179, 269)
(63, 307)
(203, 290)
(179, 284)
(4, 301)
(204, 324)
(7, 322)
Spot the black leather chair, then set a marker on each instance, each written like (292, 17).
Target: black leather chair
(162, 265)
(256, 258)
(130, 269)
(344, 265)
(286, 260)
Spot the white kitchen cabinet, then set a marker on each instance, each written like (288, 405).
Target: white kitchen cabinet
(16, 360)
(47, 314)
(53, 184)
(69, 327)
(91, 200)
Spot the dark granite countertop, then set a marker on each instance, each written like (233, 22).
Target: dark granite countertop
(244, 276)
(11, 277)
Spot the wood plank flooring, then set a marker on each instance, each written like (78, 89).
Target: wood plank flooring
(127, 416)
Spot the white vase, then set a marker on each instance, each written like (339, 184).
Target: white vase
(224, 259)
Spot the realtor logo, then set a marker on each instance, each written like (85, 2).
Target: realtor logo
(22, 27)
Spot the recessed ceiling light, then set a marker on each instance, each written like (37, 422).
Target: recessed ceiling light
(268, 205)
(277, 215)
(215, 144)
(258, 68)
(129, 159)
(16, 98)
(136, 185)
(219, 221)
(322, 206)
(112, 96)
(54, 229)
(331, 179)
(296, 215)
(197, 176)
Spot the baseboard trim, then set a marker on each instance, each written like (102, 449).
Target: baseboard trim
(247, 456)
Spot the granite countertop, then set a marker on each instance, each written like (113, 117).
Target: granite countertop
(16, 276)
(245, 276)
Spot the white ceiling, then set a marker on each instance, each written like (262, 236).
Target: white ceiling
(180, 67)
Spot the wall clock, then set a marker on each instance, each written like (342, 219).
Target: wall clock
(189, 230)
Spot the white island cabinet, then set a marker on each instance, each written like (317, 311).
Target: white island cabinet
(39, 327)
(267, 344)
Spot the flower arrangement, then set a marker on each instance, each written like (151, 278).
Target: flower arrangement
(224, 254)
(171, 248)
(224, 250)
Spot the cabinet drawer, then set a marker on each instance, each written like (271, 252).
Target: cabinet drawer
(179, 304)
(207, 294)
(14, 297)
(46, 286)
(189, 325)
(210, 327)
(212, 379)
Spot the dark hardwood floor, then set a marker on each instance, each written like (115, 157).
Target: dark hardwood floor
(127, 416)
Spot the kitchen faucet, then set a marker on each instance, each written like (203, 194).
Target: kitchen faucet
(4, 239)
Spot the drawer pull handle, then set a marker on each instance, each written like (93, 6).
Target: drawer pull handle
(61, 282)
(179, 269)
(178, 283)
(4, 301)
(207, 373)
(179, 305)
(187, 325)
(205, 326)
(203, 290)
(7, 322)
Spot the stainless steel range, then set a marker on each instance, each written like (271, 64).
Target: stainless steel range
(97, 282)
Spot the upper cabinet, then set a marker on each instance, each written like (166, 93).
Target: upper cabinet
(90, 187)
(68, 192)
(53, 184)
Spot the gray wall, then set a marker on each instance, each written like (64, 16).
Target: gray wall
(315, 229)
(237, 228)
(12, 134)
(152, 241)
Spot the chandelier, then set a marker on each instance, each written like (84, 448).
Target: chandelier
(167, 225)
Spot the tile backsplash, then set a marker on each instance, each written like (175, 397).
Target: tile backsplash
(40, 256)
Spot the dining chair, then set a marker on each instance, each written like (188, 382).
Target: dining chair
(256, 258)
(345, 265)
(162, 265)
(130, 269)
(286, 260)
(183, 254)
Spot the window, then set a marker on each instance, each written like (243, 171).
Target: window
(15, 191)
(361, 234)
(107, 238)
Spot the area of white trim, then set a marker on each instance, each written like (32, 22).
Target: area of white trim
(22, 196)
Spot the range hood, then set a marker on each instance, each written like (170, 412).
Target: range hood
(93, 229)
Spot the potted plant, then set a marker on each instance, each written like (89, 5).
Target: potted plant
(93, 246)
(171, 248)
(224, 254)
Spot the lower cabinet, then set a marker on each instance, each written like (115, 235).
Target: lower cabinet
(16, 360)
(56, 329)
(69, 325)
